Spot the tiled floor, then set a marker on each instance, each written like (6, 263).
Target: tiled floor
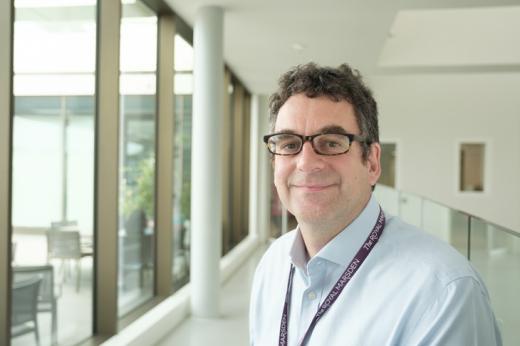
(231, 329)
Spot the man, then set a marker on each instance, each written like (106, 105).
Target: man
(351, 274)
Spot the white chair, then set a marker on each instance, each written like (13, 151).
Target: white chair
(66, 246)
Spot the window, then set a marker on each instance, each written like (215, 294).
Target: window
(472, 156)
(137, 156)
(236, 160)
(53, 164)
(182, 162)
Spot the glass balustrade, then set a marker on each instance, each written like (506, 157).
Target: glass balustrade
(493, 250)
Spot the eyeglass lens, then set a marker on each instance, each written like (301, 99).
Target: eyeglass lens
(325, 144)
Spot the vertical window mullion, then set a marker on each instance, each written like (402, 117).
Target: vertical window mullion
(164, 163)
(6, 73)
(106, 171)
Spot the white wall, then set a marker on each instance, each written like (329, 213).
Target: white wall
(430, 113)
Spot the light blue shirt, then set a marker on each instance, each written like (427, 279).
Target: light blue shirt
(412, 289)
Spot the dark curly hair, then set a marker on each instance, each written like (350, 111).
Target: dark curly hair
(339, 84)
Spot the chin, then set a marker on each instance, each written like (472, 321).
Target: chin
(311, 215)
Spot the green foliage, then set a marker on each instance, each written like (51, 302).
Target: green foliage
(141, 194)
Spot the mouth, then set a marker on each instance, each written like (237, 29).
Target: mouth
(312, 187)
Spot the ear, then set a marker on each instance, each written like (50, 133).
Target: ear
(374, 163)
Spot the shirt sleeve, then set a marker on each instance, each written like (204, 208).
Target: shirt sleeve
(461, 315)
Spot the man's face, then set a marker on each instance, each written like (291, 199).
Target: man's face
(321, 189)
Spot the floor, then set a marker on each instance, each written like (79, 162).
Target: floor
(232, 328)
(71, 325)
(74, 307)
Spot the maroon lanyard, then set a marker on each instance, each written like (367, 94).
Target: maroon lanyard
(344, 279)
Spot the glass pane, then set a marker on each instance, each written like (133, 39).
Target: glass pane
(436, 220)
(137, 156)
(410, 208)
(182, 162)
(496, 255)
(446, 224)
(237, 176)
(388, 198)
(459, 231)
(53, 170)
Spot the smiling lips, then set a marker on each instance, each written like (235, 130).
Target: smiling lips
(312, 187)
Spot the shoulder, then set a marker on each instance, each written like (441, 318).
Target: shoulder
(438, 286)
(421, 254)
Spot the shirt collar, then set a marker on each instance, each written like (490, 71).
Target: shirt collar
(342, 248)
(298, 253)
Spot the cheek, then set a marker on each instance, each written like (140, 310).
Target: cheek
(281, 173)
(278, 178)
(352, 178)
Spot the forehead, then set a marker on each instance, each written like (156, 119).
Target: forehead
(306, 115)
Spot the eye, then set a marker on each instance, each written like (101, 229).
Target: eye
(332, 144)
(288, 145)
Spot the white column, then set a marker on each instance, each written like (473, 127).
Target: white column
(206, 189)
(264, 173)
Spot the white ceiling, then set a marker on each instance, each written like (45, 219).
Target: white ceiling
(371, 35)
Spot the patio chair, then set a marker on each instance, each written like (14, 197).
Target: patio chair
(65, 246)
(24, 308)
(64, 225)
(86, 241)
(47, 299)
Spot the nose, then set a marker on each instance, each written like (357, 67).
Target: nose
(308, 160)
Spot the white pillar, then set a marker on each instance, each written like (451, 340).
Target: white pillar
(206, 189)
(264, 173)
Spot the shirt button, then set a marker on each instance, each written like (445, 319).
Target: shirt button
(311, 295)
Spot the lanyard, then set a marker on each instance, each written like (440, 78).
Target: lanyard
(344, 279)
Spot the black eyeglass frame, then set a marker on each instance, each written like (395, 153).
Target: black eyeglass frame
(310, 139)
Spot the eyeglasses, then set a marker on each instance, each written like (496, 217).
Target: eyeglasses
(323, 143)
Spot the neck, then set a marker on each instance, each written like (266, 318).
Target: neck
(317, 235)
(315, 238)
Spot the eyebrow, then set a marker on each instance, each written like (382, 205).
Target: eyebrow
(325, 129)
